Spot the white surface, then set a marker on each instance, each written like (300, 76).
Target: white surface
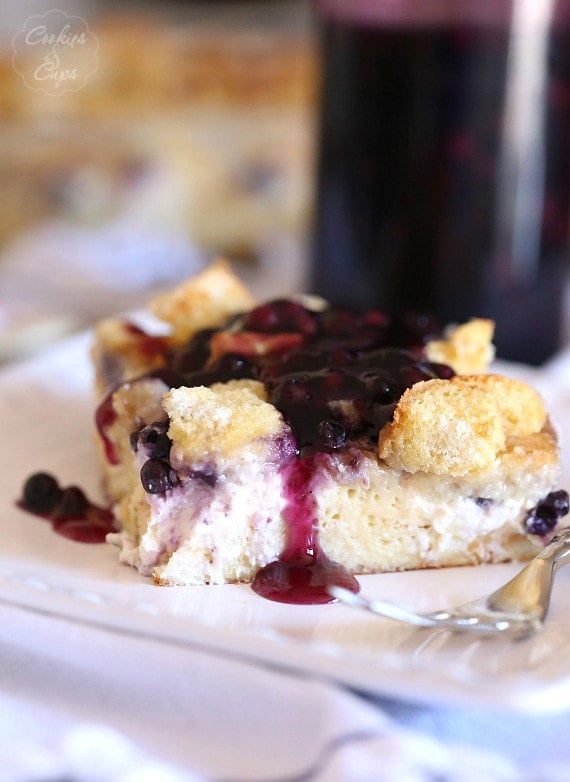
(58, 279)
(47, 414)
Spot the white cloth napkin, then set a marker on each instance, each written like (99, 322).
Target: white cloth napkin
(88, 705)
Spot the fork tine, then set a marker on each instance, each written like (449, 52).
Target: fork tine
(383, 608)
(445, 620)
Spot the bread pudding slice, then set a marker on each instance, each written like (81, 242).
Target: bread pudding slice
(294, 445)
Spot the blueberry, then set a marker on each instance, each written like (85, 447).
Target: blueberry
(544, 517)
(417, 328)
(559, 502)
(41, 493)
(484, 502)
(339, 321)
(441, 371)
(154, 440)
(280, 315)
(72, 504)
(234, 366)
(332, 434)
(157, 476)
(295, 390)
(381, 390)
(192, 356)
(230, 366)
(414, 374)
(540, 520)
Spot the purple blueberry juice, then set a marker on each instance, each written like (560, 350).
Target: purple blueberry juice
(444, 165)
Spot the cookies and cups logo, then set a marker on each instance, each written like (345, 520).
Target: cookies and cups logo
(55, 53)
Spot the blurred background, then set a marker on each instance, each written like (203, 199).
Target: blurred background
(139, 140)
(178, 131)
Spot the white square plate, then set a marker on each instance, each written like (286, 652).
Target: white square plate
(47, 413)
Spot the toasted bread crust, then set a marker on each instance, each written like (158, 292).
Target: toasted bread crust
(443, 428)
(216, 422)
(118, 353)
(467, 348)
(520, 406)
(454, 427)
(205, 301)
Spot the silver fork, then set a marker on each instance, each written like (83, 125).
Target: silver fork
(518, 608)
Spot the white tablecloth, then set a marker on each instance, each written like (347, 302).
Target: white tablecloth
(84, 704)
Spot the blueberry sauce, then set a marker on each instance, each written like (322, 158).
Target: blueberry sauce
(147, 344)
(69, 511)
(105, 417)
(302, 581)
(303, 573)
(335, 375)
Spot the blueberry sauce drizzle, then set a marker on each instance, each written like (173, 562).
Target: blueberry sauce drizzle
(105, 417)
(69, 511)
(335, 375)
(147, 344)
(303, 573)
